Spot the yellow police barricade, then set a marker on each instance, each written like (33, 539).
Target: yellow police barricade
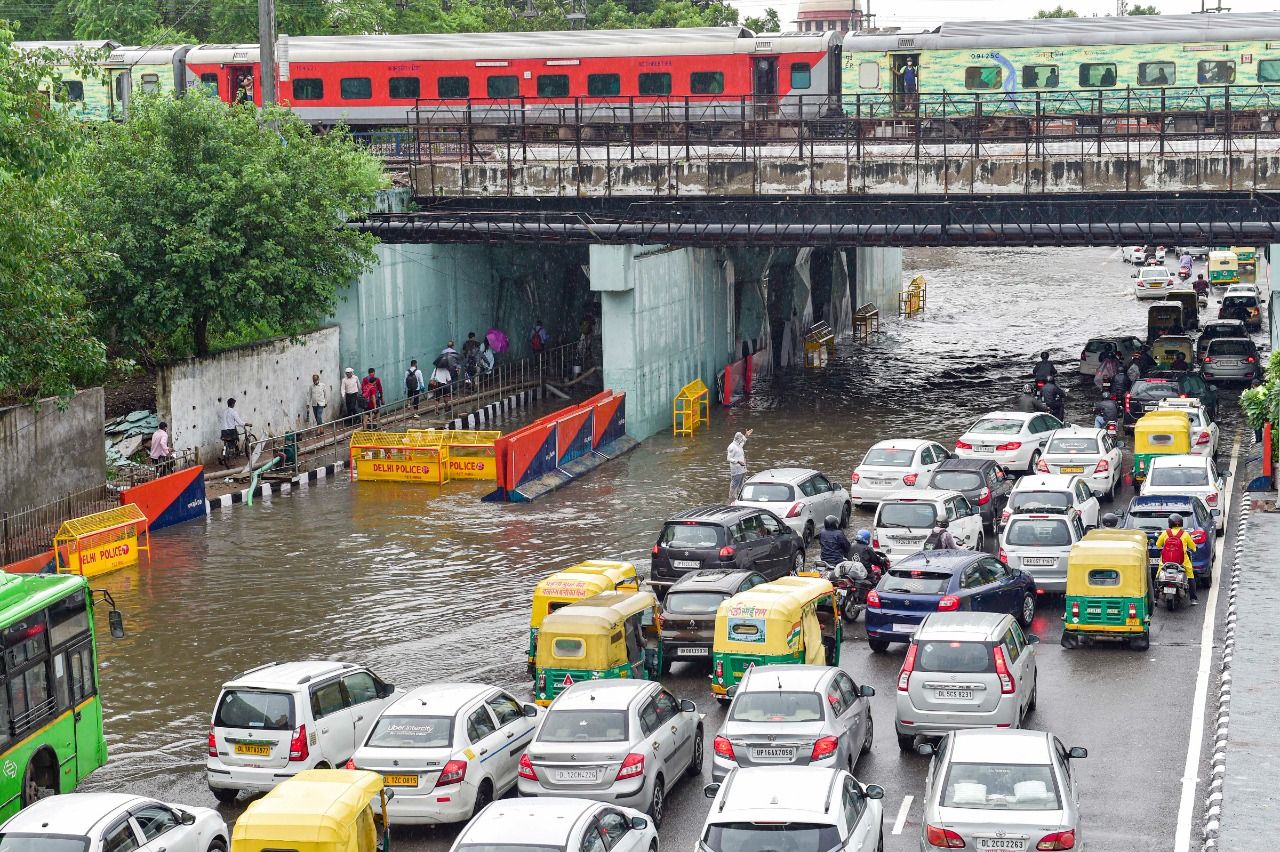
(97, 544)
(911, 301)
(689, 408)
(471, 453)
(398, 457)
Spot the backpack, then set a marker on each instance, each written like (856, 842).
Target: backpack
(535, 340)
(934, 541)
(1173, 551)
(411, 382)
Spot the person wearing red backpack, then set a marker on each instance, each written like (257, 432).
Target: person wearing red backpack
(1176, 546)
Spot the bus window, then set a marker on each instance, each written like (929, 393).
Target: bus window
(801, 75)
(68, 618)
(553, 85)
(453, 87)
(1269, 70)
(1100, 75)
(706, 83)
(655, 84)
(868, 74)
(355, 88)
(404, 87)
(210, 81)
(1157, 73)
(983, 77)
(1211, 72)
(1039, 76)
(308, 89)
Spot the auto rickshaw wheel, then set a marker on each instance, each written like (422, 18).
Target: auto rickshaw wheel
(1069, 640)
(223, 795)
(1140, 642)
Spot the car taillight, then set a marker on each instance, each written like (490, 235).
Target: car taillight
(727, 552)
(1058, 840)
(1212, 499)
(1012, 445)
(908, 666)
(1102, 466)
(1208, 359)
(298, 745)
(723, 747)
(948, 603)
(985, 497)
(824, 747)
(1002, 557)
(875, 543)
(961, 445)
(910, 479)
(873, 599)
(1042, 466)
(1203, 439)
(1004, 516)
(632, 765)
(526, 768)
(350, 764)
(855, 477)
(213, 743)
(1127, 397)
(655, 550)
(1251, 360)
(1083, 356)
(943, 838)
(794, 511)
(454, 771)
(1199, 536)
(1002, 671)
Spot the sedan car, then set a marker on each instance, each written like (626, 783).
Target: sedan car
(1089, 453)
(1147, 393)
(1218, 328)
(1018, 787)
(1133, 254)
(944, 581)
(1152, 282)
(621, 741)
(1055, 493)
(803, 498)
(892, 465)
(689, 612)
(1151, 515)
(447, 750)
(1188, 474)
(795, 715)
(557, 825)
(113, 821)
(1205, 434)
(1244, 307)
(726, 538)
(985, 484)
(1231, 359)
(1015, 439)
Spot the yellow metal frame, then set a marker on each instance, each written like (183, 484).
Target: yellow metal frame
(690, 408)
(819, 346)
(418, 456)
(471, 451)
(911, 301)
(102, 537)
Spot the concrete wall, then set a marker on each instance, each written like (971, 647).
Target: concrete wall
(268, 381)
(877, 278)
(667, 317)
(50, 451)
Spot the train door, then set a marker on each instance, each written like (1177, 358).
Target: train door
(121, 87)
(906, 80)
(240, 78)
(764, 85)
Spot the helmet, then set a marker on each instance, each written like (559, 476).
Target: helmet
(1175, 520)
(831, 522)
(863, 536)
(1111, 520)
(1026, 388)
(1044, 356)
(942, 523)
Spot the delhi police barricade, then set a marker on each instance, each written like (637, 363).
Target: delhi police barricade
(97, 544)
(423, 455)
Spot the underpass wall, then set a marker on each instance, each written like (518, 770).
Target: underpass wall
(51, 451)
(877, 278)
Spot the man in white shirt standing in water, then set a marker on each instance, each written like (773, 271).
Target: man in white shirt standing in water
(737, 458)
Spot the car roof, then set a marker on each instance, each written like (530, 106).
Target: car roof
(966, 463)
(940, 560)
(1047, 482)
(1008, 415)
(542, 821)
(920, 495)
(778, 793)
(710, 580)
(784, 677)
(1242, 338)
(789, 475)
(1179, 460)
(287, 676)
(901, 444)
(985, 745)
(437, 698)
(961, 625)
(717, 513)
(1076, 432)
(69, 813)
(606, 694)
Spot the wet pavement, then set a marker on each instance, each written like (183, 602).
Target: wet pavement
(428, 584)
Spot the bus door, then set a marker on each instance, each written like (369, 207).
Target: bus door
(241, 79)
(904, 101)
(764, 85)
(120, 89)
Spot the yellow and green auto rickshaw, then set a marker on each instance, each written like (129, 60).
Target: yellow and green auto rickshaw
(1224, 268)
(609, 635)
(790, 620)
(1245, 255)
(1108, 592)
(573, 584)
(1159, 433)
(1190, 302)
(1163, 318)
(318, 810)
(1165, 350)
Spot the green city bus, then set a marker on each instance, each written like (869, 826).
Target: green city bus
(50, 714)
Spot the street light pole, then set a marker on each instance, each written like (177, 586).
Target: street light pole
(267, 49)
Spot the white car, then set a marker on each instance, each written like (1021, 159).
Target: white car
(272, 722)
(1152, 282)
(1134, 254)
(109, 822)
(1089, 453)
(1205, 434)
(557, 825)
(447, 750)
(1091, 355)
(904, 520)
(801, 497)
(1188, 475)
(793, 808)
(1243, 290)
(1053, 493)
(892, 465)
(1039, 543)
(1014, 439)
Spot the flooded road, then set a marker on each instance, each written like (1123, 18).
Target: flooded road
(428, 584)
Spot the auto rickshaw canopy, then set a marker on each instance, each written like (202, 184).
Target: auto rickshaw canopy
(317, 810)
(768, 618)
(622, 574)
(598, 622)
(1166, 348)
(1112, 568)
(1162, 432)
(564, 587)
(1136, 536)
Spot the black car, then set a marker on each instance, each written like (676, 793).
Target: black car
(1146, 393)
(724, 537)
(1242, 307)
(986, 483)
(689, 612)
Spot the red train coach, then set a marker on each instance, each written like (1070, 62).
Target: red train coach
(616, 74)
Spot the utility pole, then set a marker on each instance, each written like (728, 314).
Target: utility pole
(1122, 8)
(267, 49)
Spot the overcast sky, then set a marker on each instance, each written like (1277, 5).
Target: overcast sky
(926, 14)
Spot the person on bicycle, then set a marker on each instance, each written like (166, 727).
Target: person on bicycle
(232, 423)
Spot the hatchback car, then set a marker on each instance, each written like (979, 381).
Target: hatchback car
(1188, 474)
(1205, 434)
(965, 670)
(904, 521)
(621, 741)
(794, 715)
(1089, 453)
(1015, 439)
(1040, 544)
(1215, 329)
(110, 822)
(793, 808)
(557, 825)
(1243, 290)
(1151, 515)
(944, 581)
(689, 612)
(1053, 493)
(803, 498)
(1231, 359)
(727, 538)
(1244, 307)
(272, 722)
(1001, 789)
(1091, 355)
(985, 484)
(890, 466)
(1151, 282)
(447, 750)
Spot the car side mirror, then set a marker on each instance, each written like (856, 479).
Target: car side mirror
(530, 710)
(731, 691)
(1078, 753)
(926, 749)
(386, 689)
(687, 706)
(1033, 639)
(711, 789)
(639, 823)
(866, 691)
(873, 791)
(186, 818)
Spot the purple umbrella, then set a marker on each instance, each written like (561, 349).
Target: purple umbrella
(497, 340)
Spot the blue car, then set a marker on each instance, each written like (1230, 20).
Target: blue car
(1151, 515)
(944, 581)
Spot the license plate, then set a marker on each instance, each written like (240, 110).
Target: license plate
(577, 775)
(254, 749)
(907, 539)
(880, 483)
(991, 449)
(955, 694)
(1153, 561)
(686, 563)
(1071, 469)
(400, 780)
(1173, 590)
(773, 753)
(691, 652)
(1001, 843)
(905, 628)
(1227, 362)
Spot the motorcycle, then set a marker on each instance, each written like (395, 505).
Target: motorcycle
(1113, 431)
(1184, 272)
(1173, 586)
(852, 582)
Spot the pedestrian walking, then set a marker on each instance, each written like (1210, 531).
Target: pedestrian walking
(487, 358)
(371, 390)
(350, 393)
(413, 384)
(737, 458)
(160, 453)
(539, 338)
(317, 398)
(471, 357)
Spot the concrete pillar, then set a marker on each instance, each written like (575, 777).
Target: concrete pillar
(667, 319)
(877, 277)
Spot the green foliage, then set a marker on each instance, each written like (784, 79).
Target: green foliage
(1143, 10)
(770, 23)
(1058, 12)
(218, 220)
(1262, 403)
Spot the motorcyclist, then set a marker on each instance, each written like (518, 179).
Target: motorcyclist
(1055, 399)
(1108, 366)
(941, 537)
(1120, 384)
(872, 560)
(1174, 533)
(835, 545)
(1110, 520)
(1106, 410)
(1028, 401)
(1145, 362)
(1044, 370)
(1200, 285)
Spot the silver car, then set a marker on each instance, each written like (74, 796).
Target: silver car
(620, 741)
(998, 789)
(965, 670)
(1230, 359)
(801, 497)
(795, 716)
(1040, 543)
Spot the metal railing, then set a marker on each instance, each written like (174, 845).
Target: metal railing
(132, 473)
(29, 532)
(386, 144)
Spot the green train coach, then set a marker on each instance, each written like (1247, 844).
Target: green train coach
(122, 73)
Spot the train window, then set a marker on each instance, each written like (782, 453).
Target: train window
(404, 87)
(1269, 70)
(869, 74)
(308, 89)
(604, 85)
(119, 86)
(1211, 72)
(453, 87)
(210, 81)
(504, 86)
(983, 77)
(1157, 73)
(1039, 76)
(706, 83)
(553, 85)
(150, 83)
(1098, 74)
(73, 91)
(355, 88)
(655, 84)
(801, 75)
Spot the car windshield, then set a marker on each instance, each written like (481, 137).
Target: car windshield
(1000, 786)
(1154, 390)
(913, 581)
(957, 480)
(1231, 347)
(771, 837)
(1038, 532)
(1239, 301)
(19, 842)
(997, 426)
(1154, 272)
(506, 847)
(584, 726)
(1148, 521)
(692, 603)
(888, 457)
(251, 708)
(1039, 501)
(958, 657)
(1073, 445)
(690, 534)
(911, 515)
(772, 706)
(1097, 345)
(767, 492)
(412, 732)
(1167, 475)
(1213, 330)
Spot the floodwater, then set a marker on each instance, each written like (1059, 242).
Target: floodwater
(429, 584)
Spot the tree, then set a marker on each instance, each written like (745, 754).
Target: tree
(220, 220)
(1143, 10)
(1059, 12)
(770, 23)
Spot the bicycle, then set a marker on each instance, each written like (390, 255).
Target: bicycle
(238, 446)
